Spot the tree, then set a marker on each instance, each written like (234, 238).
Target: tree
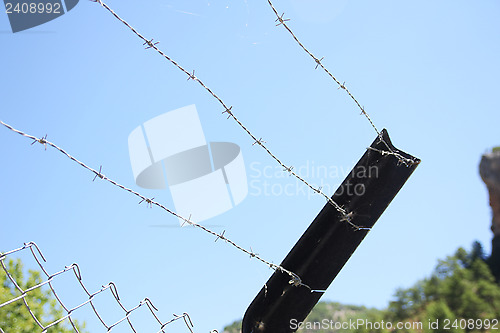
(15, 317)
(461, 287)
(438, 312)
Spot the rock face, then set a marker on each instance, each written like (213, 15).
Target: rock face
(489, 169)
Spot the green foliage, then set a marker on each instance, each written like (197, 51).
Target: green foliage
(15, 317)
(235, 327)
(439, 312)
(461, 287)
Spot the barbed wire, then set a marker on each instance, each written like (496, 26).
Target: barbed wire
(282, 21)
(295, 279)
(91, 296)
(151, 44)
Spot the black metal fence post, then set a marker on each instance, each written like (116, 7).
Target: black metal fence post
(330, 240)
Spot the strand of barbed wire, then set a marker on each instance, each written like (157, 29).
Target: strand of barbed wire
(151, 44)
(283, 21)
(295, 279)
(33, 247)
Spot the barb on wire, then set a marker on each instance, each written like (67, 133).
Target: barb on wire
(151, 203)
(192, 76)
(150, 44)
(185, 221)
(229, 113)
(42, 140)
(258, 142)
(318, 62)
(281, 20)
(403, 160)
(221, 235)
(252, 254)
(100, 175)
(91, 296)
(228, 110)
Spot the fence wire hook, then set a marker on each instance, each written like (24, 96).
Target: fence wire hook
(114, 291)
(149, 303)
(30, 245)
(76, 269)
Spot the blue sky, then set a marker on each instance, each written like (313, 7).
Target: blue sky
(427, 71)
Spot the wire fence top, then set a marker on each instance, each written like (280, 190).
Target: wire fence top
(68, 312)
(99, 173)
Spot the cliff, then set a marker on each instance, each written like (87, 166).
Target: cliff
(489, 169)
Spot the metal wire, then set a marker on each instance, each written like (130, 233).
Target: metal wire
(150, 44)
(282, 21)
(39, 258)
(295, 279)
